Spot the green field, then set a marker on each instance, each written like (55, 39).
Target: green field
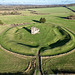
(64, 64)
(55, 10)
(11, 63)
(57, 36)
(22, 41)
(72, 7)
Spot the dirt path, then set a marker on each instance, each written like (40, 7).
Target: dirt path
(30, 67)
(69, 8)
(23, 56)
(38, 70)
(38, 58)
(16, 54)
(60, 54)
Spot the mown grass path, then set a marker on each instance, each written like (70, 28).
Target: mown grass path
(59, 54)
(16, 54)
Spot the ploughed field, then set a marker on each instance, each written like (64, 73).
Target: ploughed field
(56, 37)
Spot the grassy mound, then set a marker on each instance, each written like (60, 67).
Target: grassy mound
(19, 40)
(52, 40)
(61, 45)
(22, 41)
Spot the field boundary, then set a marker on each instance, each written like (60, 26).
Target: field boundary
(59, 54)
(16, 54)
(23, 56)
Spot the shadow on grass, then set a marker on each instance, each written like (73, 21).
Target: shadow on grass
(69, 8)
(56, 71)
(18, 73)
(63, 17)
(59, 43)
(61, 31)
(39, 68)
(36, 21)
(28, 45)
(27, 29)
(43, 49)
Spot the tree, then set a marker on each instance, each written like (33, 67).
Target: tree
(42, 20)
(1, 23)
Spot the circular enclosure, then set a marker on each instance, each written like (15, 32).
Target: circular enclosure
(52, 40)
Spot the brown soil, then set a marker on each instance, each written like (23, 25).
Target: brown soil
(19, 24)
(71, 17)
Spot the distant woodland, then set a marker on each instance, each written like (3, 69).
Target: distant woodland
(21, 7)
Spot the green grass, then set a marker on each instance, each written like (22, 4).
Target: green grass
(3, 28)
(52, 38)
(52, 10)
(24, 42)
(54, 17)
(62, 45)
(15, 19)
(15, 39)
(11, 63)
(63, 64)
(72, 7)
(26, 13)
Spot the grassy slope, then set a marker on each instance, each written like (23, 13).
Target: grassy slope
(15, 19)
(11, 63)
(52, 10)
(21, 41)
(53, 18)
(12, 37)
(72, 7)
(61, 64)
(56, 17)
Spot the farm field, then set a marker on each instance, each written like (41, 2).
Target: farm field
(10, 63)
(56, 41)
(72, 7)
